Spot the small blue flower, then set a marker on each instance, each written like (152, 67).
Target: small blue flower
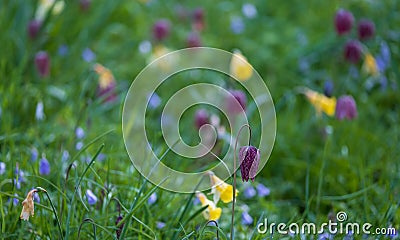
(249, 10)
(196, 201)
(246, 218)
(92, 199)
(34, 154)
(79, 133)
(263, 190)
(237, 25)
(65, 156)
(2, 168)
(249, 192)
(44, 166)
(328, 88)
(79, 146)
(63, 50)
(154, 101)
(88, 55)
(325, 236)
(160, 225)
(101, 157)
(152, 199)
(145, 47)
(15, 200)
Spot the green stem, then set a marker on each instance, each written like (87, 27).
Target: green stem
(54, 210)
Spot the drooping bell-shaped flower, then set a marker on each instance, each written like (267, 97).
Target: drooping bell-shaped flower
(249, 157)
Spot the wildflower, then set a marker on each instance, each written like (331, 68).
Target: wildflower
(39, 113)
(84, 5)
(328, 88)
(262, 190)
(88, 55)
(160, 225)
(145, 47)
(193, 40)
(239, 67)
(92, 199)
(2, 168)
(45, 5)
(79, 133)
(33, 28)
(343, 21)
(370, 65)
(249, 157)
(249, 192)
(221, 189)
(383, 59)
(346, 108)
(249, 10)
(19, 177)
(63, 50)
(34, 154)
(236, 102)
(320, 102)
(42, 63)
(161, 29)
(28, 206)
(107, 83)
(237, 25)
(198, 19)
(79, 145)
(152, 199)
(65, 156)
(44, 166)
(246, 218)
(212, 212)
(15, 200)
(366, 29)
(201, 118)
(154, 100)
(352, 51)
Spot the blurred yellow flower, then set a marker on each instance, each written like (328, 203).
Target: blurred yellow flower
(28, 206)
(106, 78)
(221, 189)
(45, 5)
(159, 51)
(212, 212)
(320, 102)
(370, 66)
(239, 67)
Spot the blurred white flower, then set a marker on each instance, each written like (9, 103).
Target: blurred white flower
(39, 115)
(145, 47)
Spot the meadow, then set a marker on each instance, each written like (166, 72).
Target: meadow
(332, 71)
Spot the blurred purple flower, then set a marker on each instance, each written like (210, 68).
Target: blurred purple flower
(325, 236)
(196, 201)
(198, 17)
(193, 40)
(346, 108)
(201, 118)
(79, 133)
(44, 166)
(246, 218)
(352, 51)
(42, 63)
(65, 156)
(152, 199)
(39, 113)
(15, 200)
(34, 154)
(383, 59)
(263, 190)
(63, 50)
(249, 10)
(161, 29)
(118, 231)
(34, 28)
(237, 25)
(84, 5)
(2, 168)
(232, 100)
(394, 235)
(154, 101)
(328, 88)
(92, 199)
(88, 55)
(145, 47)
(366, 29)
(101, 157)
(160, 225)
(249, 157)
(36, 197)
(79, 146)
(343, 21)
(249, 192)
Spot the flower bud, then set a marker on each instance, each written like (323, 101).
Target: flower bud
(366, 29)
(352, 51)
(343, 21)
(161, 29)
(33, 28)
(42, 63)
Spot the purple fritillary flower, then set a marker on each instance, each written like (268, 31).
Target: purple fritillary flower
(34, 154)
(161, 29)
(249, 10)
(201, 118)
(42, 62)
(249, 192)
(249, 159)
(343, 21)
(352, 51)
(79, 146)
(366, 29)
(44, 166)
(237, 25)
(2, 168)
(34, 28)
(198, 18)
(160, 225)
(63, 50)
(92, 199)
(246, 218)
(88, 55)
(193, 40)
(232, 100)
(79, 133)
(263, 190)
(152, 199)
(328, 88)
(346, 108)
(154, 100)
